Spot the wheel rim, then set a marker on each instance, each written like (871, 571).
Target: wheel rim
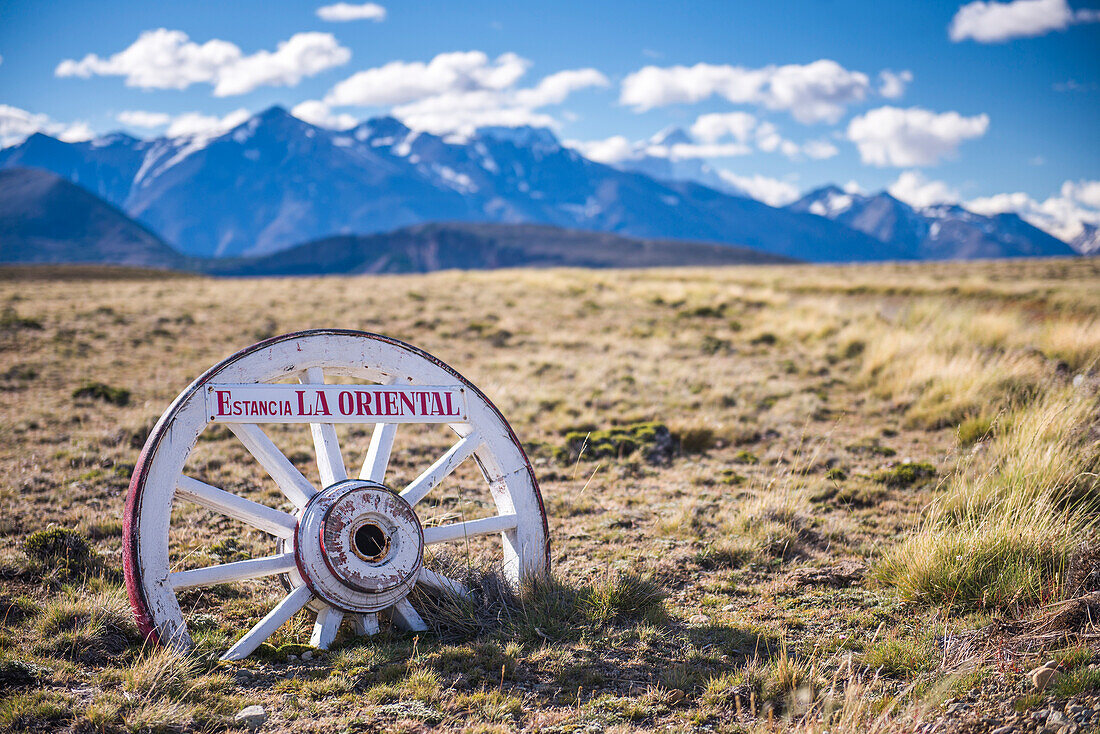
(352, 546)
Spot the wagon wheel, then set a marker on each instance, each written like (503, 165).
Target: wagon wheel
(353, 546)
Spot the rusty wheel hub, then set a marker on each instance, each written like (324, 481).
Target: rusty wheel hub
(359, 546)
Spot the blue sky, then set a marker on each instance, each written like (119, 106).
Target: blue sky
(1010, 105)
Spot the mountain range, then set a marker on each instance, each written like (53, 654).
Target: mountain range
(274, 182)
(46, 219)
(941, 232)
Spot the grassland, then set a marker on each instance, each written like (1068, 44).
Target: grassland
(880, 512)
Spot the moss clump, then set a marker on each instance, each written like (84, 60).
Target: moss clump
(906, 475)
(102, 391)
(654, 439)
(836, 474)
(972, 430)
(746, 457)
(60, 548)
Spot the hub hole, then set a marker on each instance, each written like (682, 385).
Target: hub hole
(371, 542)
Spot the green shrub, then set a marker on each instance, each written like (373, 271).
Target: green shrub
(621, 441)
(906, 475)
(972, 430)
(101, 391)
(60, 548)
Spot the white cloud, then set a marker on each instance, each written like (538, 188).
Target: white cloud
(554, 89)
(892, 84)
(343, 12)
(460, 91)
(611, 150)
(819, 149)
(165, 59)
(852, 187)
(713, 127)
(815, 92)
(402, 82)
(141, 118)
(917, 191)
(16, 125)
(771, 191)
(890, 136)
(464, 112)
(316, 112)
(994, 22)
(198, 124)
(1063, 215)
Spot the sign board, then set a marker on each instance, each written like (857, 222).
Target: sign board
(257, 403)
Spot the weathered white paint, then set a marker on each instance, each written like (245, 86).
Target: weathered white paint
(470, 528)
(482, 433)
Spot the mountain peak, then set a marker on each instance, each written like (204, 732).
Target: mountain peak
(672, 135)
(524, 136)
(385, 130)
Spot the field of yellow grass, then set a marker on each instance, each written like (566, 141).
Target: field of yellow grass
(881, 503)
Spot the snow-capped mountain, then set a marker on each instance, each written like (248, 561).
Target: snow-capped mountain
(942, 232)
(276, 181)
(659, 159)
(1088, 241)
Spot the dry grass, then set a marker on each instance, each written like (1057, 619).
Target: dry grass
(795, 391)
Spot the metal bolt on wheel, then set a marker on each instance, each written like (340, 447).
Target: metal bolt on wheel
(353, 546)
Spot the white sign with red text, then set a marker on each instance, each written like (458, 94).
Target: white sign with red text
(335, 404)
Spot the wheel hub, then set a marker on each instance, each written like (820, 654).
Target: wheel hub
(359, 546)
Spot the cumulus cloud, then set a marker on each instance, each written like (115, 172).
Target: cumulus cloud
(554, 89)
(890, 136)
(610, 150)
(460, 91)
(819, 149)
(166, 59)
(712, 127)
(141, 118)
(343, 12)
(316, 112)
(402, 82)
(16, 125)
(815, 92)
(892, 84)
(994, 22)
(1063, 215)
(916, 190)
(771, 191)
(199, 125)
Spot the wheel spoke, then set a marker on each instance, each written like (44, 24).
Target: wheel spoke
(253, 568)
(446, 464)
(406, 617)
(259, 516)
(284, 610)
(470, 528)
(295, 486)
(378, 455)
(365, 624)
(441, 582)
(329, 460)
(326, 627)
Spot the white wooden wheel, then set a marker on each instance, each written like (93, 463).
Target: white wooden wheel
(351, 546)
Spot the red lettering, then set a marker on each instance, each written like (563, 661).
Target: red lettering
(223, 401)
(321, 408)
(346, 403)
(406, 400)
(362, 403)
(450, 409)
(391, 403)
